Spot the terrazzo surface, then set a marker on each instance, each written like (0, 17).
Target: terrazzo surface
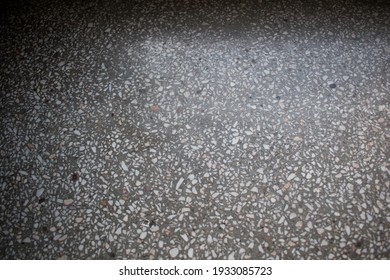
(195, 130)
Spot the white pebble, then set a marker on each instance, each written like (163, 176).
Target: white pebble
(68, 201)
(154, 228)
(40, 192)
(261, 250)
(255, 190)
(27, 240)
(299, 224)
(124, 166)
(290, 177)
(179, 183)
(173, 252)
(348, 230)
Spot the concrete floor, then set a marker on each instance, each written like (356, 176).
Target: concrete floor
(195, 130)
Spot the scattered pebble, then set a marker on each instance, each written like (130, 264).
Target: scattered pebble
(233, 137)
(40, 192)
(68, 201)
(173, 252)
(124, 166)
(143, 235)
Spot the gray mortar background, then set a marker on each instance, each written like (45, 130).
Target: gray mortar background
(195, 129)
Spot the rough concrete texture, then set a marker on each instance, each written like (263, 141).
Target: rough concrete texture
(195, 129)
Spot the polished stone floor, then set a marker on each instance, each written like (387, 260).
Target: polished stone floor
(218, 129)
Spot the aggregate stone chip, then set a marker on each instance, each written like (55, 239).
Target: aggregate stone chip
(195, 129)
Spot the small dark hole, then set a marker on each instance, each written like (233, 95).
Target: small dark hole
(278, 97)
(112, 114)
(75, 177)
(332, 85)
(41, 200)
(112, 255)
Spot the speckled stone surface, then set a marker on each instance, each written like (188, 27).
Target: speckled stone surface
(195, 130)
